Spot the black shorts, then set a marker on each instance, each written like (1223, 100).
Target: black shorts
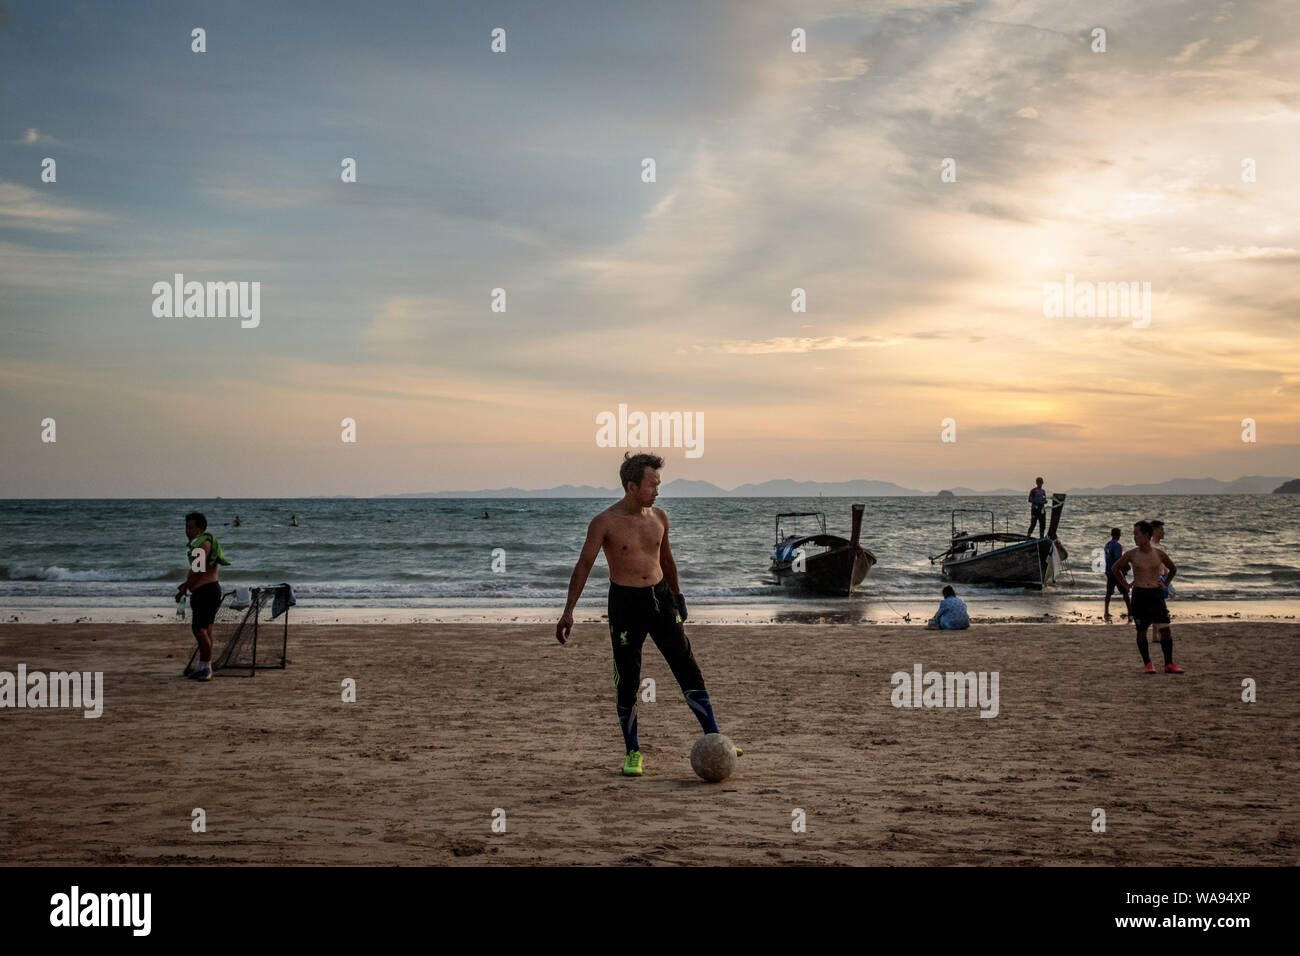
(1111, 584)
(1149, 607)
(204, 602)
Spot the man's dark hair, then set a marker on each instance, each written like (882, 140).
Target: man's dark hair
(1115, 532)
(1144, 527)
(1156, 523)
(948, 591)
(634, 466)
(198, 519)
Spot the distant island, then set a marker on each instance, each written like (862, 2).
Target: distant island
(864, 488)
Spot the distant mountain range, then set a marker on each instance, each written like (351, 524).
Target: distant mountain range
(862, 488)
(1252, 485)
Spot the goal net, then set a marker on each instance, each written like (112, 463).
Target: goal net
(252, 638)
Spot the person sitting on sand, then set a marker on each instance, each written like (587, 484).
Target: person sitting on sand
(951, 615)
(1114, 551)
(644, 599)
(204, 556)
(1148, 605)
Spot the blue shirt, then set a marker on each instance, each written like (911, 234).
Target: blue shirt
(1114, 551)
(951, 615)
(1037, 497)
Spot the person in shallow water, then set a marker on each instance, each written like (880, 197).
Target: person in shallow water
(1113, 552)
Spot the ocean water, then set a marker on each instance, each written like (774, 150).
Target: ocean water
(438, 553)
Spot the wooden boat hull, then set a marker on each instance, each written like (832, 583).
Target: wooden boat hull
(1022, 565)
(837, 572)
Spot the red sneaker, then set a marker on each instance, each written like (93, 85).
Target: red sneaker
(1150, 668)
(1173, 669)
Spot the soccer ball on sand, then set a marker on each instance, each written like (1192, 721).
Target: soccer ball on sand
(713, 757)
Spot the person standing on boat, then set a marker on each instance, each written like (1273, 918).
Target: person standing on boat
(644, 599)
(1037, 508)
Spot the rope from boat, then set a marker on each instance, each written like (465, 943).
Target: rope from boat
(906, 617)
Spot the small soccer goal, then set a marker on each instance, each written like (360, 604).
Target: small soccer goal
(249, 638)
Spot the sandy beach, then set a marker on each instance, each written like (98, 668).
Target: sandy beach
(454, 722)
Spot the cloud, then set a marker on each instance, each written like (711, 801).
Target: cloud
(34, 136)
(1186, 54)
(28, 208)
(1235, 53)
(850, 70)
(799, 344)
(1038, 431)
(265, 197)
(1239, 254)
(996, 210)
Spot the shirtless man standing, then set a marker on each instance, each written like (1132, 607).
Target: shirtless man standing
(644, 598)
(1148, 606)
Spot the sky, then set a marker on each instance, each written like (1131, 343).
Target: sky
(522, 170)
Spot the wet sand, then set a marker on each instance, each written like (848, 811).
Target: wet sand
(454, 722)
(1028, 608)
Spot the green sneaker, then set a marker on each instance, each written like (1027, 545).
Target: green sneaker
(739, 752)
(632, 765)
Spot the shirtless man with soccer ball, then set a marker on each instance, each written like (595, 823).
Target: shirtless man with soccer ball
(644, 599)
